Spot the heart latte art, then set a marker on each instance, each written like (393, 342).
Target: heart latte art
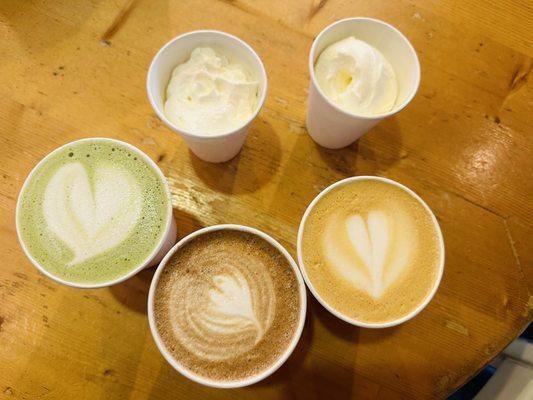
(224, 314)
(92, 211)
(91, 217)
(226, 305)
(370, 250)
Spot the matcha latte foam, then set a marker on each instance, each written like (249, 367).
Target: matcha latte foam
(93, 211)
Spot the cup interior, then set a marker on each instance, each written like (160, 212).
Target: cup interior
(384, 37)
(255, 378)
(315, 293)
(179, 50)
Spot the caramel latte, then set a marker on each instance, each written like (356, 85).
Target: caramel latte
(371, 250)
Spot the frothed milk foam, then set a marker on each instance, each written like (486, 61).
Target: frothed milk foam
(92, 211)
(371, 251)
(227, 305)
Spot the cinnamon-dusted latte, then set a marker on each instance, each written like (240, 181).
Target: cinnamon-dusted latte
(371, 250)
(227, 305)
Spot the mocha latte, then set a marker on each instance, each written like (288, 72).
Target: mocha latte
(227, 305)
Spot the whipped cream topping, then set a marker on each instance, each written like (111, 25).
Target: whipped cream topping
(356, 77)
(91, 214)
(210, 93)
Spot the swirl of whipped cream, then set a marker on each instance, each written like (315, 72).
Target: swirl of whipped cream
(91, 214)
(209, 94)
(357, 77)
(226, 313)
(369, 250)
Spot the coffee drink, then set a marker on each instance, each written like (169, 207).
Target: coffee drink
(93, 211)
(371, 250)
(227, 305)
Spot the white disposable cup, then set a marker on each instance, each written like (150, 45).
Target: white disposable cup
(332, 310)
(329, 125)
(212, 148)
(165, 243)
(253, 379)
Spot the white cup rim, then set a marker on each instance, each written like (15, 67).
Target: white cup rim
(141, 266)
(172, 126)
(341, 315)
(288, 351)
(384, 24)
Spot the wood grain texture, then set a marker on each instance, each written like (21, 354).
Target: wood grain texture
(464, 144)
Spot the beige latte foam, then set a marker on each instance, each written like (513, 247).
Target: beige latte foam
(227, 305)
(371, 251)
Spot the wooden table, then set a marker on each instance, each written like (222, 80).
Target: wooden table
(77, 69)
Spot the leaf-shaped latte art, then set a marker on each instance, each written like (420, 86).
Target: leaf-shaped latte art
(224, 315)
(231, 299)
(366, 251)
(93, 215)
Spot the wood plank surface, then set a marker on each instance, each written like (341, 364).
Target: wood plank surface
(77, 69)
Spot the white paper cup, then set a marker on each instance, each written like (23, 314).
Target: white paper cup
(212, 148)
(165, 243)
(253, 379)
(332, 310)
(329, 125)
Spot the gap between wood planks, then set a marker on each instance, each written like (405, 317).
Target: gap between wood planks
(504, 218)
(117, 22)
(518, 79)
(315, 8)
(529, 306)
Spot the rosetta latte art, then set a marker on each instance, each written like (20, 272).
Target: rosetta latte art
(368, 250)
(91, 214)
(226, 313)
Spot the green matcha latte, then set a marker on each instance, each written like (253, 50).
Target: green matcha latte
(93, 211)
